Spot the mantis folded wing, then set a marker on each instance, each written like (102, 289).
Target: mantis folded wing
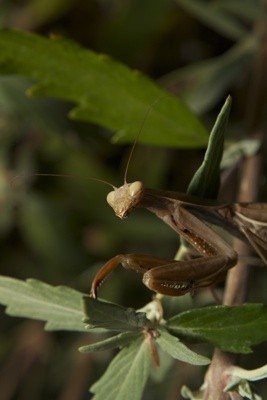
(185, 214)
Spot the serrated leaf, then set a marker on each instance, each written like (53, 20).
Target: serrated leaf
(214, 17)
(60, 307)
(233, 329)
(112, 316)
(206, 181)
(126, 375)
(106, 92)
(176, 349)
(120, 340)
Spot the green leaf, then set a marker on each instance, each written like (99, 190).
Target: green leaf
(112, 316)
(60, 307)
(206, 180)
(120, 340)
(172, 345)
(233, 329)
(126, 375)
(222, 22)
(106, 92)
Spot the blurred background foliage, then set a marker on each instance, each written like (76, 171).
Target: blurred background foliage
(61, 230)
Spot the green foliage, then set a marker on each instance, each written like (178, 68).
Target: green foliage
(111, 95)
(113, 317)
(172, 345)
(59, 306)
(106, 92)
(126, 375)
(233, 329)
(206, 180)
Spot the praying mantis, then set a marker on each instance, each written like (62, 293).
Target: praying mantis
(188, 216)
(185, 214)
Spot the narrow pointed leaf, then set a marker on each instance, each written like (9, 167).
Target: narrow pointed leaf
(233, 329)
(112, 316)
(121, 340)
(60, 307)
(176, 349)
(106, 92)
(206, 180)
(126, 375)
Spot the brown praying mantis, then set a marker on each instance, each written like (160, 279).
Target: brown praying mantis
(191, 218)
(185, 214)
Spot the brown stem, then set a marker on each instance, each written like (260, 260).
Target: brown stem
(236, 287)
(237, 282)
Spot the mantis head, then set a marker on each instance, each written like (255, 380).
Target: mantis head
(125, 198)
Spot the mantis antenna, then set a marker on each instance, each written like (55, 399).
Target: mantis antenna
(63, 176)
(151, 107)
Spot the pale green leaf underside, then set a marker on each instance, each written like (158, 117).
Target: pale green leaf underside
(60, 307)
(105, 91)
(176, 349)
(120, 340)
(233, 329)
(126, 375)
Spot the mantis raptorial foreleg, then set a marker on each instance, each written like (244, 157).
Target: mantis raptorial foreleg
(166, 276)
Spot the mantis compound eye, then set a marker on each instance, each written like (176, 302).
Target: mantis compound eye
(135, 188)
(111, 198)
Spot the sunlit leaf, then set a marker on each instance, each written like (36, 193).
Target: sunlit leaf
(106, 92)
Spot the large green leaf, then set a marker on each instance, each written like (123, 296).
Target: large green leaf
(126, 375)
(60, 307)
(233, 329)
(106, 92)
